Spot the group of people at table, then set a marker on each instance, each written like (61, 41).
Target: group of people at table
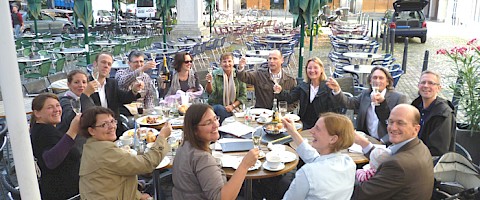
(76, 153)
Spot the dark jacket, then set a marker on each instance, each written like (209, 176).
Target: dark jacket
(264, 86)
(407, 174)
(438, 131)
(323, 101)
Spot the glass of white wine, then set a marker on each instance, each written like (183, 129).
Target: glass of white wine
(257, 137)
(140, 80)
(95, 75)
(375, 90)
(76, 105)
(282, 108)
(276, 80)
(153, 55)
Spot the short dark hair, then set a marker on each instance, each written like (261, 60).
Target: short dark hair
(73, 73)
(103, 53)
(134, 54)
(38, 103)
(225, 56)
(89, 119)
(387, 74)
(179, 59)
(193, 116)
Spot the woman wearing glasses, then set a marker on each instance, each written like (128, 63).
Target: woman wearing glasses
(226, 91)
(109, 172)
(196, 174)
(182, 80)
(56, 154)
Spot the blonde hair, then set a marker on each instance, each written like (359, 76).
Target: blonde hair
(341, 126)
(319, 62)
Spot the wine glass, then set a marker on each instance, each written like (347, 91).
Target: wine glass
(76, 105)
(276, 80)
(257, 138)
(332, 70)
(153, 55)
(174, 142)
(140, 107)
(95, 75)
(140, 80)
(375, 90)
(282, 108)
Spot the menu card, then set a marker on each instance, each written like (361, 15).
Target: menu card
(236, 128)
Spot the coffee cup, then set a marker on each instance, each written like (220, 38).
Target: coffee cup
(126, 140)
(273, 160)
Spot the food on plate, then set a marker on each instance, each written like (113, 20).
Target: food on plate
(151, 137)
(182, 108)
(274, 127)
(151, 119)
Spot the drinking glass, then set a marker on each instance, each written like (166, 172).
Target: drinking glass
(276, 80)
(375, 90)
(140, 80)
(140, 107)
(153, 55)
(257, 138)
(76, 105)
(282, 108)
(174, 142)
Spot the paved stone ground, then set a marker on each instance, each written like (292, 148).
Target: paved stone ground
(440, 35)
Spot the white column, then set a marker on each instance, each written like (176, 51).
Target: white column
(230, 6)
(189, 19)
(221, 5)
(15, 111)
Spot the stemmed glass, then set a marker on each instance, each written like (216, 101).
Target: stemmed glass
(95, 75)
(153, 55)
(257, 138)
(282, 108)
(375, 90)
(140, 80)
(276, 80)
(76, 105)
(332, 70)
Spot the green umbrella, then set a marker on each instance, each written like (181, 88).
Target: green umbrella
(210, 5)
(83, 10)
(303, 12)
(34, 8)
(163, 8)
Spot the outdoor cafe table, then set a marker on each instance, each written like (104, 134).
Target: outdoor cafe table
(362, 57)
(350, 36)
(118, 64)
(59, 85)
(27, 103)
(252, 60)
(358, 158)
(182, 45)
(276, 43)
(34, 59)
(259, 53)
(363, 71)
(162, 51)
(105, 43)
(280, 36)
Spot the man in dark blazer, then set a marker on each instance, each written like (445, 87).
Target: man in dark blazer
(408, 173)
(109, 95)
(373, 108)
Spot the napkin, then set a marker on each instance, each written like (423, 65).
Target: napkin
(236, 128)
(132, 108)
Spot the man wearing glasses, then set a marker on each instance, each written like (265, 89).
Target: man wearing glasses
(437, 121)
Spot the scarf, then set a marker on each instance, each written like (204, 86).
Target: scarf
(69, 93)
(176, 82)
(228, 89)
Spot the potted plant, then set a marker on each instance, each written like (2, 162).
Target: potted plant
(466, 95)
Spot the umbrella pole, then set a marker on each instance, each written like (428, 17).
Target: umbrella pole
(300, 54)
(116, 11)
(85, 31)
(36, 28)
(163, 25)
(311, 42)
(211, 9)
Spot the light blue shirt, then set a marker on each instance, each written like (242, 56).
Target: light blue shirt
(323, 176)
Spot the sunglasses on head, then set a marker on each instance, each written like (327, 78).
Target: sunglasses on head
(188, 61)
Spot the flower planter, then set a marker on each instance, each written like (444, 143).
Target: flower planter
(471, 142)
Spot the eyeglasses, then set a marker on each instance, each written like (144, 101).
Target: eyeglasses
(428, 83)
(111, 123)
(210, 122)
(188, 61)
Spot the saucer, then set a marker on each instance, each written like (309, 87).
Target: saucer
(280, 167)
(255, 167)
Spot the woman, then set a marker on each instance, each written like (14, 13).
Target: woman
(78, 87)
(183, 79)
(56, 155)
(225, 90)
(196, 174)
(327, 174)
(314, 95)
(109, 172)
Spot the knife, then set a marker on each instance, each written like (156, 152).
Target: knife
(280, 139)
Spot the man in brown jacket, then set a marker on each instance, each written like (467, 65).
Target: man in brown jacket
(262, 80)
(408, 173)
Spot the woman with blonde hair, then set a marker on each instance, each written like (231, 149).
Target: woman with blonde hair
(327, 174)
(314, 95)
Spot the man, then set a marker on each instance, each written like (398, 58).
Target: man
(17, 21)
(109, 94)
(127, 77)
(373, 107)
(437, 121)
(408, 173)
(262, 79)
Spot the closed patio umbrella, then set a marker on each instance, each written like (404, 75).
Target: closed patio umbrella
(83, 10)
(34, 8)
(163, 7)
(303, 12)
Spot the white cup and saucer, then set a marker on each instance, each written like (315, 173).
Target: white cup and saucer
(273, 162)
(126, 140)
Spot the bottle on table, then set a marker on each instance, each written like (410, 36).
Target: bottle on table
(166, 71)
(276, 114)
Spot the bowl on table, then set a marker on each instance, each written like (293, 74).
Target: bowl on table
(273, 128)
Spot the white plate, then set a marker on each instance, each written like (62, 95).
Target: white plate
(143, 120)
(263, 120)
(288, 156)
(177, 121)
(164, 162)
(255, 167)
(280, 167)
(293, 117)
(142, 130)
(259, 111)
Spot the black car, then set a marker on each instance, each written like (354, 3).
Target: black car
(408, 19)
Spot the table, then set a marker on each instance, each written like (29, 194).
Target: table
(60, 85)
(34, 59)
(72, 50)
(27, 103)
(276, 42)
(362, 56)
(354, 42)
(105, 43)
(358, 158)
(350, 36)
(162, 51)
(280, 36)
(363, 71)
(182, 45)
(261, 53)
(252, 60)
(118, 64)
